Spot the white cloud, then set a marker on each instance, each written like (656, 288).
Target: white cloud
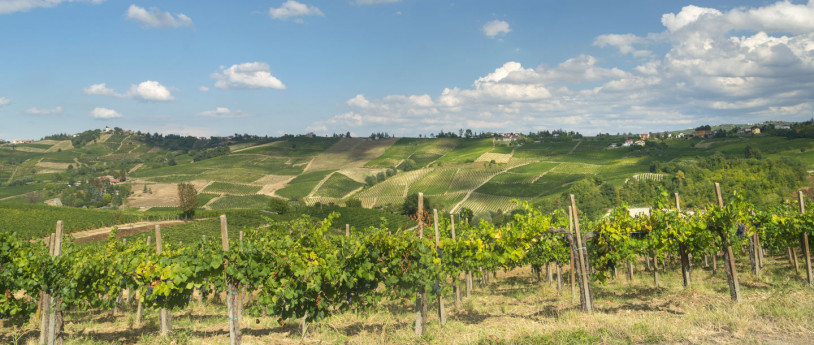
(3, 102)
(157, 19)
(249, 75)
(203, 89)
(104, 113)
(150, 91)
(735, 66)
(223, 112)
(374, 2)
(622, 42)
(359, 101)
(38, 111)
(146, 91)
(496, 27)
(293, 9)
(11, 6)
(101, 90)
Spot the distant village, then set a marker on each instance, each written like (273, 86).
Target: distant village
(630, 139)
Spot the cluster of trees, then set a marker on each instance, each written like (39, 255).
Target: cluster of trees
(380, 176)
(209, 153)
(85, 137)
(762, 182)
(95, 193)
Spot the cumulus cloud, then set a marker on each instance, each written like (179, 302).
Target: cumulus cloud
(249, 75)
(496, 27)
(38, 111)
(203, 89)
(223, 112)
(104, 113)
(11, 6)
(146, 91)
(293, 9)
(156, 18)
(4, 102)
(739, 65)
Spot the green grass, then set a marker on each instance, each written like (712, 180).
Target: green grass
(36, 220)
(436, 182)
(204, 198)
(231, 188)
(467, 151)
(302, 185)
(337, 186)
(238, 202)
(422, 151)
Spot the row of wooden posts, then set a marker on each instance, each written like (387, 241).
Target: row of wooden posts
(52, 324)
(580, 268)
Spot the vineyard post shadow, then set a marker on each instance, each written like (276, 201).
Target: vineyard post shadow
(729, 257)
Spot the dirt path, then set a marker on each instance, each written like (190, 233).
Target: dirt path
(135, 168)
(319, 185)
(124, 229)
(575, 147)
(468, 194)
(256, 146)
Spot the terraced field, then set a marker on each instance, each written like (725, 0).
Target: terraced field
(422, 151)
(337, 186)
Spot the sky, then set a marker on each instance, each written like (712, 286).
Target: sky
(405, 67)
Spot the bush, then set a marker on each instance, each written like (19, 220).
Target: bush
(278, 205)
(353, 203)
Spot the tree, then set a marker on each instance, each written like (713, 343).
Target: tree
(410, 205)
(278, 205)
(466, 214)
(122, 175)
(187, 199)
(353, 202)
(371, 180)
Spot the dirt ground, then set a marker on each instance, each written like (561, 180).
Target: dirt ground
(163, 194)
(514, 308)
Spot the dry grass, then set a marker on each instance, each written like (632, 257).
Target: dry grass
(512, 309)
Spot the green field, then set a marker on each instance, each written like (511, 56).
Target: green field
(442, 168)
(231, 188)
(302, 185)
(337, 186)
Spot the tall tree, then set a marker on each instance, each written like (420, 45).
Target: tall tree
(187, 199)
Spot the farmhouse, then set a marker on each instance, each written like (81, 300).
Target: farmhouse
(644, 136)
(756, 130)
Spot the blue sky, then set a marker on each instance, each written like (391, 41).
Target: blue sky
(404, 67)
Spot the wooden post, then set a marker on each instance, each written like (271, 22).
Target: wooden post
(585, 286)
(683, 254)
(559, 278)
(441, 311)
(347, 230)
(54, 313)
(163, 314)
(456, 283)
(794, 258)
(242, 288)
(655, 270)
(231, 289)
(45, 299)
(573, 265)
(630, 272)
(548, 273)
(729, 258)
(804, 240)
(420, 305)
(139, 307)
